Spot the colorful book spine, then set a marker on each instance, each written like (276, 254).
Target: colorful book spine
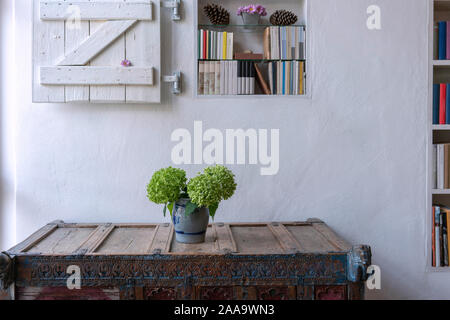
(437, 214)
(447, 105)
(433, 239)
(442, 102)
(447, 40)
(436, 97)
(442, 40)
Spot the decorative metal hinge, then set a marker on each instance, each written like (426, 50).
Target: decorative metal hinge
(176, 81)
(6, 270)
(359, 259)
(175, 6)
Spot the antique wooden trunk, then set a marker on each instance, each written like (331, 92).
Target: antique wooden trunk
(299, 260)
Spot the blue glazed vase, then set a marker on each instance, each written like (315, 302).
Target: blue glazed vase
(189, 228)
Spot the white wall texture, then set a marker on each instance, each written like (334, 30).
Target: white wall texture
(354, 155)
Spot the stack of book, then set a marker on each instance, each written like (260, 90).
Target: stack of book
(240, 78)
(284, 43)
(226, 78)
(442, 40)
(439, 236)
(215, 45)
(441, 166)
(441, 103)
(287, 77)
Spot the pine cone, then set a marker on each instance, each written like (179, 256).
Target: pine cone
(217, 14)
(283, 18)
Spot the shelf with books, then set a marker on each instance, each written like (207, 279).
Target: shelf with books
(273, 58)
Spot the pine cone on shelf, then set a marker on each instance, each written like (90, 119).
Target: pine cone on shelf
(283, 18)
(217, 14)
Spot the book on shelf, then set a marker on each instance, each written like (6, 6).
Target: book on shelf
(441, 40)
(439, 236)
(284, 43)
(441, 103)
(215, 45)
(441, 158)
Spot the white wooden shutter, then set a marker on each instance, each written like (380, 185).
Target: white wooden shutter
(80, 60)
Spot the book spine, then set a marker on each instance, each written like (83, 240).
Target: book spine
(447, 40)
(225, 77)
(445, 237)
(433, 240)
(440, 166)
(266, 43)
(434, 164)
(239, 77)
(436, 233)
(436, 102)
(293, 41)
(235, 70)
(446, 148)
(270, 72)
(206, 79)
(212, 78)
(302, 78)
(284, 78)
(302, 43)
(204, 38)
(441, 241)
(436, 41)
(442, 40)
(230, 41)
(224, 45)
(246, 81)
(230, 77)
(217, 79)
(222, 78)
(200, 52)
(448, 238)
(201, 79)
(442, 102)
(252, 77)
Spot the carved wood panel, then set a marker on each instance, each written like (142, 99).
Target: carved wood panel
(330, 293)
(275, 293)
(216, 293)
(160, 294)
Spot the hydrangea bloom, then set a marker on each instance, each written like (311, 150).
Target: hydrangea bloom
(166, 185)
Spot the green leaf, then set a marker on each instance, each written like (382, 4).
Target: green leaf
(190, 208)
(212, 210)
(170, 207)
(165, 209)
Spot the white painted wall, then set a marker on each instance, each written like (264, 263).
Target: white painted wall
(354, 155)
(7, 121)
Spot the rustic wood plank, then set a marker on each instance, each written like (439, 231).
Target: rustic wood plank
(285, 238)
(143, 49)
(224, 239)
(96, 10)
(309, 239)
(96, 238)
(112, 56)
(34, 238)
(127, 240)
(339, 243)
(255, 240)
(206, 247)
(163, 239)
(62, 241)
(97, 42)
(48, 46)
(96, 76)
(74, 37)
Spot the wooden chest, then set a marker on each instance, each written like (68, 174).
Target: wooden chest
(299, 260)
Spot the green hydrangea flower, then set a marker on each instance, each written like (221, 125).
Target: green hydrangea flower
(225, 178)
(204, 190)
(166, 185)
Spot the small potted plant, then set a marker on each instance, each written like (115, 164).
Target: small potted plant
(251, 14)
(191, 203)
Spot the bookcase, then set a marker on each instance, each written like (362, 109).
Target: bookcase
(439, 73)
(261, 69)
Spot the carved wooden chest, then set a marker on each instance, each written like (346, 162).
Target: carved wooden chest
(301, 260)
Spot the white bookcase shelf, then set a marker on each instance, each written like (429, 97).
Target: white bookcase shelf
(250, 38)
(439, 72)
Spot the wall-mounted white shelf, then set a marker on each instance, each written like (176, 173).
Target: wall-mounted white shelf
(250, 37)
